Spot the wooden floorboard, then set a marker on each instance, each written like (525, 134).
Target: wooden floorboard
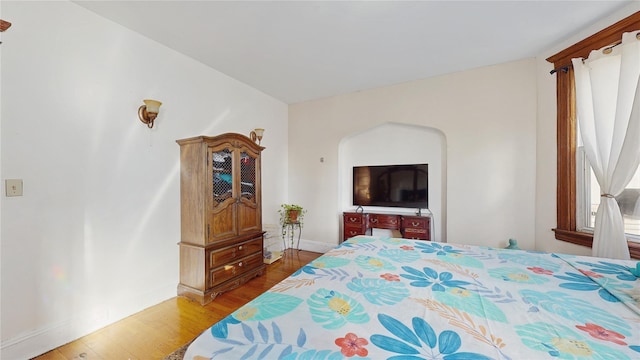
(159, 330)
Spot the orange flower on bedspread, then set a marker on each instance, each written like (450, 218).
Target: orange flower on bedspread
(351, 345)
(591, 274)
(407, 247)
(539, 270)
(601, 333)
(390, 277)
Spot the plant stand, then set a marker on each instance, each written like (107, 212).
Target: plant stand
(288, 234)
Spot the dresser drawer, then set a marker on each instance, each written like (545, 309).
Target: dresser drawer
(416, 227)
(233, 269)
(415, 222)
(225, 255)
(351, 231)
(420, 234)
(384, 221)
(355, 218)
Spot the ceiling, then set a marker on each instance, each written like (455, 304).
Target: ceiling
(303, 50)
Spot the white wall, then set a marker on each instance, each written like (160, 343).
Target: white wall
(488, 117)
(546, 140)
(94, 237)
(403, 144)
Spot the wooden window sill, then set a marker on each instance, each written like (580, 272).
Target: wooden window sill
(586, 239)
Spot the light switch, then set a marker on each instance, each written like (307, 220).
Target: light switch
(13, 187)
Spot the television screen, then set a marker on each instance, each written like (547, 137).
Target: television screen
(391, 185)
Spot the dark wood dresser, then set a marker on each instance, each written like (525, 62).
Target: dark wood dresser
(410, 226)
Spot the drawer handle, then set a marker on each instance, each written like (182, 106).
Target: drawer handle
(374, 220)
(414, 223)
(394, 221)
(352, 232)
(353, 219)
(240, 247)
(240, 264)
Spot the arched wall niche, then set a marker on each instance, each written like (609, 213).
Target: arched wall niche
(395, 143)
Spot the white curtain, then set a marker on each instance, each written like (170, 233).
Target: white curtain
(608, 110)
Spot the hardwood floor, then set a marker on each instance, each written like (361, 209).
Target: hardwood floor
(161, 329)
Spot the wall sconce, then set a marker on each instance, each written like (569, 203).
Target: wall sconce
(4, 25)
(257, 134)
(149, 111)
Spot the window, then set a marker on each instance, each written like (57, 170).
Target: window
(588, 199)
(567, 190)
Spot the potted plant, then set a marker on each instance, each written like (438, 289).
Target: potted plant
(291, 216)
(291, 213)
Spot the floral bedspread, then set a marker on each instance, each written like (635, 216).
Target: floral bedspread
(386, 298)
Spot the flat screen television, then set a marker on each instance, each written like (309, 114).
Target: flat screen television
(391, 186)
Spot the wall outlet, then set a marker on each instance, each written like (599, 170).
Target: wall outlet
(13, 187)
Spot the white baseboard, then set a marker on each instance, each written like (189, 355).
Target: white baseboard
(46, 338)
(39, 341)
(315, 246)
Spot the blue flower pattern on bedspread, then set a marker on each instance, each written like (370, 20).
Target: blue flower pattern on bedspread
(575, 309)
(400, 256)
(565, 343)
(429, 277)
(517, 275)
(412, 341)
(379, 291)
(470, 303)
(401, 299)
(530, 259)
(333, 309)
(581, 282)
(329, 262)
(374, 264)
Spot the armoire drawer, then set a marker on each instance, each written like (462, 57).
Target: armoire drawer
(225, 255)
(233, 269)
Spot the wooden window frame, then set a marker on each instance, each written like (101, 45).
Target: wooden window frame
(566, 128)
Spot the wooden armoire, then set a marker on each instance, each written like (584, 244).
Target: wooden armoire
(221, 215)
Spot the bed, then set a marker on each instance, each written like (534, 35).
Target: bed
(388, 298)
